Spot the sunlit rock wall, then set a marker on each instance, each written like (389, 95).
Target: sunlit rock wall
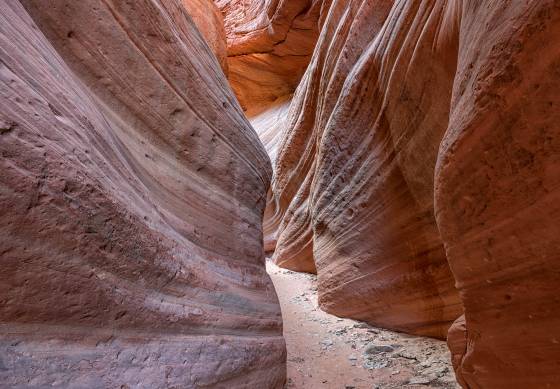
(210, 23)
(269, 125)
(269, 45)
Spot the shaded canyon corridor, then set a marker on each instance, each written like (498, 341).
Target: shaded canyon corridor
(153, 152)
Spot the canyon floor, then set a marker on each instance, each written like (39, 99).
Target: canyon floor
(325, 351)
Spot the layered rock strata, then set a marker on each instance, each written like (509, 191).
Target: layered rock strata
(131, 198)
(269, 125)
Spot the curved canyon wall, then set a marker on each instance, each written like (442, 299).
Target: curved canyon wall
(498, 195)
(417, 173)
(354, 173)
(131, 197)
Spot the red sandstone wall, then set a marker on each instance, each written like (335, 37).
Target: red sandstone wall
(498, 194)
(131, 198)
(210, 23)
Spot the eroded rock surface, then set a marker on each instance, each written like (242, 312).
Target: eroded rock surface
(269, 125)
(131, 198)
(354, 172)
(417, 172)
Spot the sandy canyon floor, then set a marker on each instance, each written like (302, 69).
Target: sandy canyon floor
(325, 351)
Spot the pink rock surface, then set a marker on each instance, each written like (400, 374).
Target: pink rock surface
(131, 198)
(416, 171)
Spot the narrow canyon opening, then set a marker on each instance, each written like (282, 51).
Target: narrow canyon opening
(286, 193)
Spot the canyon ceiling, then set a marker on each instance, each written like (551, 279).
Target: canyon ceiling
(409, 154)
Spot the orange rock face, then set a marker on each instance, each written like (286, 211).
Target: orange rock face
(457, 343)
(210, 23)
(269, 45)
(131, 197)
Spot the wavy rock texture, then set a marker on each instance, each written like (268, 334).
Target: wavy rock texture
(131, 198)
(269, 45)
(395, 88)
(354, 173)
(498, 194)
(210, 23)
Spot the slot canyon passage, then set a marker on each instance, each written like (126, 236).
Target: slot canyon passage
(395, 164)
